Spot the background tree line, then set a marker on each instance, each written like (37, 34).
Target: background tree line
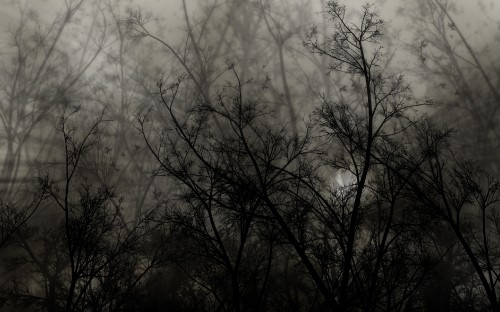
(268, 160)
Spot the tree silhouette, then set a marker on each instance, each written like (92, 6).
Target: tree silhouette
(274, 166)
(87, 258)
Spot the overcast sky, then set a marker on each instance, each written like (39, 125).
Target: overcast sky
(479, 20)
(484, 22)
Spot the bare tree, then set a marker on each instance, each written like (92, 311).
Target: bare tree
(37, 76)
(220, 202)
(373, 124)
(465, 198)
(281, 174)
(458, 73)
(87, 259)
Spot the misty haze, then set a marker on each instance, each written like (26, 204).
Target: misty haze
(249, 155)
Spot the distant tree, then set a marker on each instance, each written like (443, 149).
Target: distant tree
(122, 89)
(37, 77)
(459, 73)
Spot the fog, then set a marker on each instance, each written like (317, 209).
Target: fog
(249, 155)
